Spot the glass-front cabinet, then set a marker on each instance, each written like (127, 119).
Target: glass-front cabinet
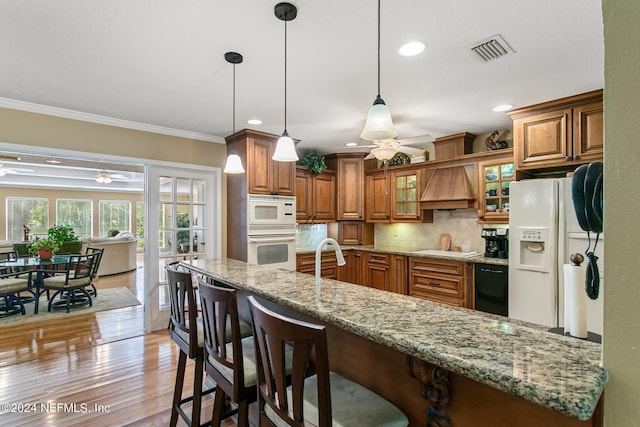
(405, 204)
(495, 178)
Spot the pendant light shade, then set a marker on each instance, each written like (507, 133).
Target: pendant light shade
(285, 148)
(379, 124)
(234, 164)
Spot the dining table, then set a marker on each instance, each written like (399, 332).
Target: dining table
(42, 267)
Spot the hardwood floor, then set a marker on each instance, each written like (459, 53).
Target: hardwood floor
(96, 369)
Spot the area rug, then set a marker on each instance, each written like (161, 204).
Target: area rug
(107, 299)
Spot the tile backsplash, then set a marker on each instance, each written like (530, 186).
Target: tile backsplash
(461, 224)
(309, 235)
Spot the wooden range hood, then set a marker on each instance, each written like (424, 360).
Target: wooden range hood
(448, 188)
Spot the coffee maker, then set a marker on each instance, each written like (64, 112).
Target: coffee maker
(496, 243)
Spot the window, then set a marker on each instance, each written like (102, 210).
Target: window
(140, 223)
(34, 213)
(114, 215)
(76, 213)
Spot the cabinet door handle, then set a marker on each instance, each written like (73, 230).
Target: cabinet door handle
(576, 157)
(568, 158)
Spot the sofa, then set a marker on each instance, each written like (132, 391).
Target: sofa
(119, 254)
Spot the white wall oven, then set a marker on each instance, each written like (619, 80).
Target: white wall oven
(271, 232)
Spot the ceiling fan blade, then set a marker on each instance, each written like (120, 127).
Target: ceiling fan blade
(420, 139)
(411, 150)
(370, 156)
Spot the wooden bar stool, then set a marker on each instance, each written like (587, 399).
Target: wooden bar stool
(189, 338)
(324, 399)
(229, 352)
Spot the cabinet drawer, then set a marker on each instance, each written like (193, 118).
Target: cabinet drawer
(378, 258)
(428, 285)
(420, 264)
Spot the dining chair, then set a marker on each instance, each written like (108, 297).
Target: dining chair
(322, 399)
(186, 332)
(11, 285)
(229, 356)
(69, 284)
(98, 252)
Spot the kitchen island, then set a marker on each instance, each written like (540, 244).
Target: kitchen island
(472, 368)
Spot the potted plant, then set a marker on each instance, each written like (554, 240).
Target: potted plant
(314, 161)
(58, 236)
(68, 241)
(44, 248)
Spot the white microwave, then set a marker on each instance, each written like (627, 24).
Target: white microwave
(271, 214)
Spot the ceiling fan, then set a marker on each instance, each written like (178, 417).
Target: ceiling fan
(387, 148)
(4, 170)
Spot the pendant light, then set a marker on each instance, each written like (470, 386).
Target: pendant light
(379, 125)
(234, 164)
(285, 148)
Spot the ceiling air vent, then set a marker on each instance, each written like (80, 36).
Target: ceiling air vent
(492, 48)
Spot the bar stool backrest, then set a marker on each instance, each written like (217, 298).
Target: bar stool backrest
(184, 312)
(274, 331)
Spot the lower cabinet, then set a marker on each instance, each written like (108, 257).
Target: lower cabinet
(441, 280)
(353, 270)
(306, 263)
(387, 272)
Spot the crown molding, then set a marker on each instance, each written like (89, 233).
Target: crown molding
(104, 120)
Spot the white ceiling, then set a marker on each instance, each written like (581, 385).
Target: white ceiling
(161, 62)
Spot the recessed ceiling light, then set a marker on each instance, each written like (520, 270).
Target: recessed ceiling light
(351, 144)
(53, 161)
(254, 121)
(412, 49)
(502, 107)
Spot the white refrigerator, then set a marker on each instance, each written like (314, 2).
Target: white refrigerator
(543, 233)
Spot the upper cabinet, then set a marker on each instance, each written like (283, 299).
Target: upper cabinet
(394, 195)
(452, 146)
(315, 196)
(264, 175)
(560, 134)
(495, 178)
(350, 183)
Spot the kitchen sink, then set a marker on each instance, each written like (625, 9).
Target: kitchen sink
(453, 254)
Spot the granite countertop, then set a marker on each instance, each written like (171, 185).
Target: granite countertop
(479, 259)
(554, 371)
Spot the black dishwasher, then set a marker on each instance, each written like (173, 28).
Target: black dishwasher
(492, 288)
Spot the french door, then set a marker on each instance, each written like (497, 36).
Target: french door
(182, 223)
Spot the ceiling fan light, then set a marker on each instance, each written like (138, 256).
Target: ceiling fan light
(2, 173)
(384, 153)
(285, 149)
(234, 164)
(103, 178)
(379, 124)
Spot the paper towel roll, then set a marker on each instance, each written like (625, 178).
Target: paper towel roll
(575, 300)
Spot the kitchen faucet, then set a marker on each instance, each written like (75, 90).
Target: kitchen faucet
(336, 248)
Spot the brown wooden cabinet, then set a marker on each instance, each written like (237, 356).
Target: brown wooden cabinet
(306, 263)
(315, 195)
(349, 169)
(354, 233)
(495, 177)
(452, 146)
(394, 195)
(559, 134)
(353, 269)
(264, 175)
(387, 272)
(445, 281)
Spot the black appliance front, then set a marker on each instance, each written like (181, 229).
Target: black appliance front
(492, 288)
